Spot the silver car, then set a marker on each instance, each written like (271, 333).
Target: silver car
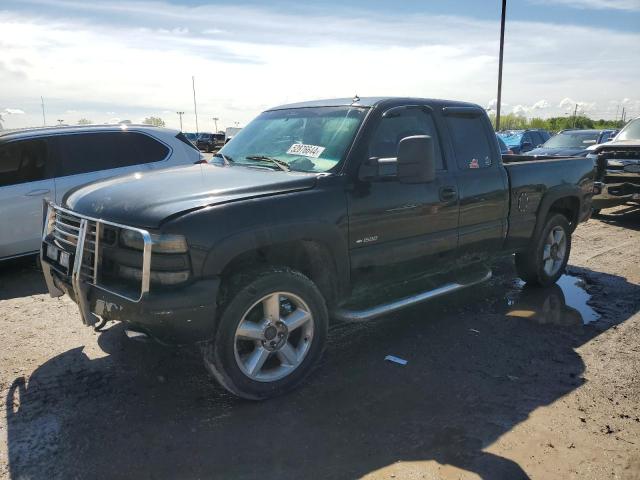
(45, 163)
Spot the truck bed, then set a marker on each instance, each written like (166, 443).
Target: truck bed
(532, 178)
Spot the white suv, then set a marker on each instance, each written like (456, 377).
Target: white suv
(44, 163)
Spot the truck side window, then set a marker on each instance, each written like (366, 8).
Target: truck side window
(90, 152)
(470, 142)
(22, 162)
(400, 124)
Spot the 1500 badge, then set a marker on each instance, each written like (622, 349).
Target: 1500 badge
(373, 238)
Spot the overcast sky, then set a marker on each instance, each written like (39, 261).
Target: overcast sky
(108, 61)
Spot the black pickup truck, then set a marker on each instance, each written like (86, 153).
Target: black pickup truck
(251, 255)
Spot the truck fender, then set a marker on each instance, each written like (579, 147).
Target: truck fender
(327, 235)
(552, 196)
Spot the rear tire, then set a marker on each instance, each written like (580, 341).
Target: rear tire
(544, 262)
(272, 332)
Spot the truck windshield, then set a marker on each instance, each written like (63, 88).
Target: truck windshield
(631, 131)
(572, 140)
(313, 139)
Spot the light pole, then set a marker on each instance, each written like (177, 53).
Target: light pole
(195, 107)
(504, 11)
(180, 115)
(215, 123)
(60, 121)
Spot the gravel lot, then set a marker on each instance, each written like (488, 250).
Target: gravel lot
(501, 382)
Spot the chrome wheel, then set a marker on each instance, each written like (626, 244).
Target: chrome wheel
(555, 249)
(273, 337)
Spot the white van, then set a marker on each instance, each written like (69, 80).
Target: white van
(44, 163)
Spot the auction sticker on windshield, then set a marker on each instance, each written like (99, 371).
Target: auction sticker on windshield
(303, 150)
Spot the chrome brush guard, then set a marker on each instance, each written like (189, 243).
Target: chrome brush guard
(76, 240)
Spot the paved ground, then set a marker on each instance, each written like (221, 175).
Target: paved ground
(502, 382)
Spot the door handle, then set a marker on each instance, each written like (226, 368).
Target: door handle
(37, 193)
(448, 193)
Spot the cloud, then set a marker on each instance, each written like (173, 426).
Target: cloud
(569, 105)
(520, 110)
(493, 104)
(540, 105)
(114, 57)
(628, 5)
(13, 111)
(524, 110)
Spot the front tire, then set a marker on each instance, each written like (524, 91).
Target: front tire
(272, 332)
(544, 262)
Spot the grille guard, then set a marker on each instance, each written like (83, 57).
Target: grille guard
(79, 282)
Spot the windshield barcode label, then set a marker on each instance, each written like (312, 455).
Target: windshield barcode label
(303, 150)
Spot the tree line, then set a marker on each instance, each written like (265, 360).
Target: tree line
(553, 124)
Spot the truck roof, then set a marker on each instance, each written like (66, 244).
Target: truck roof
(370, 102)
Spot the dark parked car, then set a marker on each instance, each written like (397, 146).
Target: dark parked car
(572, 143)
(208, 142)
(521, 141)
(618, 168)
(251, 255)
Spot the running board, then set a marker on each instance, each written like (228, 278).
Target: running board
(387, 308)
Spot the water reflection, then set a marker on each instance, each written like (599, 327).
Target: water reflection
(563, 304)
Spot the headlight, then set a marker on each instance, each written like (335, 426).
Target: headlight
(161, 243)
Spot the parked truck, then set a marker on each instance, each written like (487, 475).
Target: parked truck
(251, 255)
(618, 164)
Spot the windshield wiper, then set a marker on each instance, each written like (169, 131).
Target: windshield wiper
(227, 160)
(284, 166)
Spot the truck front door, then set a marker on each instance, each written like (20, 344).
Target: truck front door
(400, 224)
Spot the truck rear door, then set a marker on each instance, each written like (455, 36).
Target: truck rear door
(482, 182)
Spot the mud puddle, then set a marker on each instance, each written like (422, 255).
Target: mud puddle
(564, 303)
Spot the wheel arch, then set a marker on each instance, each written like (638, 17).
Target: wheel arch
(563, 200)
(323, 258)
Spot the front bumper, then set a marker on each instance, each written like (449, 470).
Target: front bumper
(613, 194)
(178, 316)
(71, 261)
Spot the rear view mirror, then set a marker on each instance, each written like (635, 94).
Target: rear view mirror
(416, 159)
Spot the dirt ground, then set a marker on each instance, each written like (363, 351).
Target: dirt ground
(501, 382)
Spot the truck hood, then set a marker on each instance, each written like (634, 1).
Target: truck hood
(145, 199)
(616, 144)
(560, 152)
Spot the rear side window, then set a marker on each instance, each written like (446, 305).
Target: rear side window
(91, 152)
(24, 161)
(183, 138)
(403, 123)
(470, 142)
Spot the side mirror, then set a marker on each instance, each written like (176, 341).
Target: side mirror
(416, 160)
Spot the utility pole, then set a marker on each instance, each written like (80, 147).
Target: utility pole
(195, 108)
(623, 115)
(180, 115)
(44, 120)
(575, 112)
(502, 21)
(215, 122)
